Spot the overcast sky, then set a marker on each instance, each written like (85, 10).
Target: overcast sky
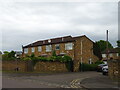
(26, 22)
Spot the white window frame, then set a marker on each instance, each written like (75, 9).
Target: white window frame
(39, 48)
(32, 49)
(104, 55)
(117, 54)
(25, 50)
(68, 46)
(48, 48)
(57, 45)
(111, 55)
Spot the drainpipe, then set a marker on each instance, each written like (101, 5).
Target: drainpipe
(81, 54)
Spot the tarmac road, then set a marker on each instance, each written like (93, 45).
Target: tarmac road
(56, 80)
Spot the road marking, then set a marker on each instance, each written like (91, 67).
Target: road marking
(76, 83)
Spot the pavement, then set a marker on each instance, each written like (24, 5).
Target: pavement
(83, 80)
(100, 81)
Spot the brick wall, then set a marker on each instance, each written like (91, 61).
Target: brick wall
(12, 65)
(40, 66)
(114, 69)
(50, 67)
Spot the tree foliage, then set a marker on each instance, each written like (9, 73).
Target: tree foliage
(103, 45)
(97, 50)
(8, 55)
(118, 43)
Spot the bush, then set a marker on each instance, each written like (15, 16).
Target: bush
(88, 67)
(26, 58)
(99, 62)
(66, 58)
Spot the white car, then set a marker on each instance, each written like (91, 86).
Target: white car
(105, 70)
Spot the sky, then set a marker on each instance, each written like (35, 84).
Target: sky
(24, 22)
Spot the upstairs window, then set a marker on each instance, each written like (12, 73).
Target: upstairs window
(39, 49)
(25, 50)
(57, 47)
(48, 48)
(32, 49)
(103, 55)
(68, 46)
(110, 54)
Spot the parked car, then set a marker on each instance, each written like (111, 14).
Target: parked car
(105, 70)
(100, 66)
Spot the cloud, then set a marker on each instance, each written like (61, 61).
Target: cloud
(25, 22)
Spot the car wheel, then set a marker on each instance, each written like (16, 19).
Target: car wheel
(104, 73)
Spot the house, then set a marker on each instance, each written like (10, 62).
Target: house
(18, 54)
(79, 48)
(113, 53)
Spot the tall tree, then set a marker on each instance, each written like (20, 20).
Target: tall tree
(102, 44)
(118, 43)
(96, 50)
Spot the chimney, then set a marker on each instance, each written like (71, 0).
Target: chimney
(49, 41)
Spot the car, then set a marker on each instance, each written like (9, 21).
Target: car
(100, 66)
(105, 70)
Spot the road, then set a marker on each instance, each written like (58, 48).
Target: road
(56, 80)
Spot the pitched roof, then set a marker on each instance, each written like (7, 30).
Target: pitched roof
(112, 50)
(53, 41)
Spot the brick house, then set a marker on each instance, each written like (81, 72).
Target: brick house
(112, 53)
(80, 49)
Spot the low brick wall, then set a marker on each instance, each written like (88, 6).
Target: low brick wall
(27, 66)
(12, 65)
(114, 69)
(50, 67)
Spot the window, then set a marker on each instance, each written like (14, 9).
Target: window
(111, 55)
(48, 48)
(25, 50)
(103, 55)
(68, 46)
(117, 54)
(32, 49)
(90, 61)
(39, 48)
(57, 47)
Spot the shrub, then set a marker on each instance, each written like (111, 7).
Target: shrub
(66, 58)
(43, 58)
(54, 53)
(88, 67)
(99, 62)
(26, 58)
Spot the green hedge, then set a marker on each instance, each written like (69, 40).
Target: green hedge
(88, 67)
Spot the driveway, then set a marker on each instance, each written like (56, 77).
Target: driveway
(51, 80)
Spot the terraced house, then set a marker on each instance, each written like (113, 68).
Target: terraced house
(79, 48)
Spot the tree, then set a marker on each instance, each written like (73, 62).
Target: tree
(103, 45)
(118, 46)
(96, 50)
(8, 55)
(118, 43)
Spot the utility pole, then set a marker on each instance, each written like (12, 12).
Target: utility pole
(107, 44)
